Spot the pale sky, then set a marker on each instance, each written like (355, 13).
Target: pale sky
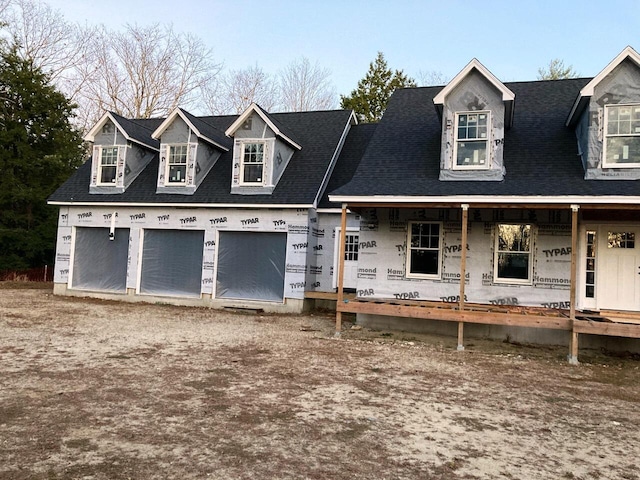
(511, 38)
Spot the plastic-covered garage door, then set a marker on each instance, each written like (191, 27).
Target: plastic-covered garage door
(172, 262)
(100, 263)
(251, 265)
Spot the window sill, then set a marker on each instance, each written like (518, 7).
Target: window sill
(511, 281)
(422, 276)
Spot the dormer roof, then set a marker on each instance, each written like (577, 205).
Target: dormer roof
(132, 131)
(202, 129)
(508, 96)
(273, 124)
(587, 91)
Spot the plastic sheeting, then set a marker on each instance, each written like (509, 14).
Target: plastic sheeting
(251, 266)
(172, 262)
(100, 263)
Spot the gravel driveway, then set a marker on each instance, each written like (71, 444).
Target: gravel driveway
(93, 389)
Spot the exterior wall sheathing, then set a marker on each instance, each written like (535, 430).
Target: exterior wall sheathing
(383, 254)
(293, 222)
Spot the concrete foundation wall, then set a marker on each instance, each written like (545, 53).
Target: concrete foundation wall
(291, 305)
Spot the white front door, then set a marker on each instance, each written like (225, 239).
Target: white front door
(350, 258)
(618, 283)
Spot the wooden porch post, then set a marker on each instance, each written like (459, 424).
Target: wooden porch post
(463, 272)
(343, 236)
(573, 354)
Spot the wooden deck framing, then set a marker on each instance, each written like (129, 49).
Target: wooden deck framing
(621, 324)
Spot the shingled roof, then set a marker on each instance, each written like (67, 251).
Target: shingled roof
(540, 152)
(318, 132)
(352, 152)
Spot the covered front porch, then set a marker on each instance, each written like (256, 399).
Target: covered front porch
(560, 316)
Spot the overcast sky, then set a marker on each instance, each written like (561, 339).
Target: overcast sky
(511, 38)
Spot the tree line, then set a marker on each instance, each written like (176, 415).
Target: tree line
(57, 78)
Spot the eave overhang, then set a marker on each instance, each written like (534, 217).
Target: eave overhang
(508, 97)
(178, 112)
(91, 135)
(229, 132)
(587, 91)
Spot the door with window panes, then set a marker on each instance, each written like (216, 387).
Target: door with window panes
(350, 258)
(618, 279)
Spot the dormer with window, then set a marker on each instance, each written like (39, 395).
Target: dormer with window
(121, 150)
(261, 151)
(475, 109)
(189, 147)
(606, 118)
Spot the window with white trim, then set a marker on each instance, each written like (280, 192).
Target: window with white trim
(177, 164)
(471, 150)
(107, 166)
(622, 136)
(351, 241)
(513, 253)
(252, 163)
(424, 244)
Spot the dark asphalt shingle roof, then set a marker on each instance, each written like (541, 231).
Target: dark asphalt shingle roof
(208, 130)
(352, 152)
(318, 132)
(540, 152)
(284, 130)
(139, 131)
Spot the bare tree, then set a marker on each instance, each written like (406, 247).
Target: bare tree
(556, 71)
(304, 86)
(145, 71)
(4, 4)
(238, 88)
(44, 38)
(428, 78)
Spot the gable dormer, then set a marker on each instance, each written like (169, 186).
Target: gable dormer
(121, 150)
(189, 147)
(606, 118)
(475, 109)
(262, 148)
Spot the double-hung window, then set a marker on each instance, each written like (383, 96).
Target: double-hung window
(424, 245)
(108, 165)
(622, 136)
(472, 140)
(512, 258)
(252, 162)
(177, 164)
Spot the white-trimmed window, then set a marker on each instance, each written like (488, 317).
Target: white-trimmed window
(622, 136)
(471, 150)
(177, 164)
(107, 168)
(424, 249)
(252, 163)
(513, 253)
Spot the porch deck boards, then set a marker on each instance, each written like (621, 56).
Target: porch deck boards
(592, 323)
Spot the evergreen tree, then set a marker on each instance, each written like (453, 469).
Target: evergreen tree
(39, 149)
(369, 100)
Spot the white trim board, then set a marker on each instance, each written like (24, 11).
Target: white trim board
(489, 199)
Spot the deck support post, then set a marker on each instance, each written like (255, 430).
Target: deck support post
(573, 353)
(340, 299)
(463, 272)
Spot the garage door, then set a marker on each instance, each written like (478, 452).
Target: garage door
(172, 262)
(99, 263)
(251, 266)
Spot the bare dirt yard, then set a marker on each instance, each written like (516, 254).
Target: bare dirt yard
(93, 389)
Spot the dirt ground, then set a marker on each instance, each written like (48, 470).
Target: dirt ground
(93, 389)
